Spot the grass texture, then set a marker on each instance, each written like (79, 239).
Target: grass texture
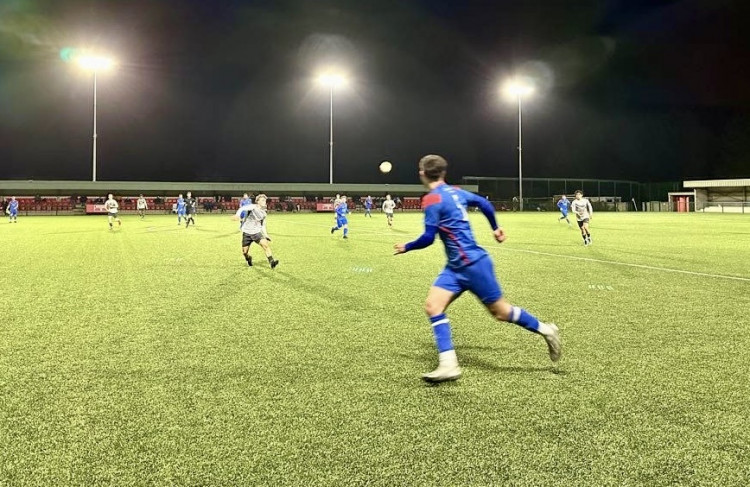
(152, 355)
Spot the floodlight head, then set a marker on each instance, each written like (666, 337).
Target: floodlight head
(95, 63)
(517, 88)
(332, 80)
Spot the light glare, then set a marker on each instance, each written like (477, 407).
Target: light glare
(333, 80)
(515, 89)
(94, 63)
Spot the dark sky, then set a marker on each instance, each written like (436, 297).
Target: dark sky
(223, 90)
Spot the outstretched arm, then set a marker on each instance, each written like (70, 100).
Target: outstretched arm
(431, 222)
(484, 206)
(424, 240)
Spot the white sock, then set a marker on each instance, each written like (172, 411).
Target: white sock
(448, 359)
(544, 329)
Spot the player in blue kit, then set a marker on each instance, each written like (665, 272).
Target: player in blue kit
(342, 209)
(246, 200)
(469, 267)
(368, 206)
(563, 204)
(12, 210)
(181, 210)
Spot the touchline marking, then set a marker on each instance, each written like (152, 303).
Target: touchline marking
(549, 254)
(628, 264)
(363, 231)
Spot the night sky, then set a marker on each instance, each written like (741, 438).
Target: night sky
(223, 90)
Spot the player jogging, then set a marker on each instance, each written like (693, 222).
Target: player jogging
(253, 231)
(112, 207)
(469, 267)
(342, 209)
(191, 205)
(563, 205)
(388, 206)
(142, 206)
(582, 208)
(12, 210)
(368, 206)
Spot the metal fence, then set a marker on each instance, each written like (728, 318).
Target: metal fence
(540, 190)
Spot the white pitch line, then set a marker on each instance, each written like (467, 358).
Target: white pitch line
(549, 254)
(361, 231)
(628, 264)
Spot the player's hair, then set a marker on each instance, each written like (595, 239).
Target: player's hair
(261, 197)
(578, 191)
(433, 166)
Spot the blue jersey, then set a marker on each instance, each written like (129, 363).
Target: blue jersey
(13, 206)
(180, 205)
(341, 210)
(368, 203)
(445, 214)
(245, 202)
(563, 205)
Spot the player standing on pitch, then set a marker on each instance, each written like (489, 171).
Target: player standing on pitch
(368, 206)
(469, 267)
(142, 207)
(388, 206)
(253, 230)
(112, 207)
(582, 208)
(12, 210)
(191, 205)
(181, 212)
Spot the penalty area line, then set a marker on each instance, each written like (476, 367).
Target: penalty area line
(628, 264)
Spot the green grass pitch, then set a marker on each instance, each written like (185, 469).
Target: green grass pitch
(152, 355)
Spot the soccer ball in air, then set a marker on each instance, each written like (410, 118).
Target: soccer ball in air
(385, 167)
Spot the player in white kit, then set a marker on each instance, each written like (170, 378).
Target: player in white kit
(142, 206)
(583, 210)
(253, 229)
(388, 206)
(112, 207)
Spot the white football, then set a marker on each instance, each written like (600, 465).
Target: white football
(385, 167)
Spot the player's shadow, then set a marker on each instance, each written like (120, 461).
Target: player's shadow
(471, 361)
(93, 230)
(162, 229)
(227, 235)
(314, 288)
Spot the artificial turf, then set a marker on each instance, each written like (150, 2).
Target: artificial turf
(153, 355)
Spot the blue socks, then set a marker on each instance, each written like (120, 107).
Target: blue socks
(346, 231)
(441, 328)
(525, 319)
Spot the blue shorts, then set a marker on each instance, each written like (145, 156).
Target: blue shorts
(478, 278)
(243, 214)
(13, 213)
(564, 213)
(341, 221)
(180, 212)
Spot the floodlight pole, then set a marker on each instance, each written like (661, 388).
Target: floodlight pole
(93, 156)
(520, 159)
(330, 173)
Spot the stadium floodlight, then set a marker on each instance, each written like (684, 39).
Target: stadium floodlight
(515, 89)
(94, 64)
(331, 80)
